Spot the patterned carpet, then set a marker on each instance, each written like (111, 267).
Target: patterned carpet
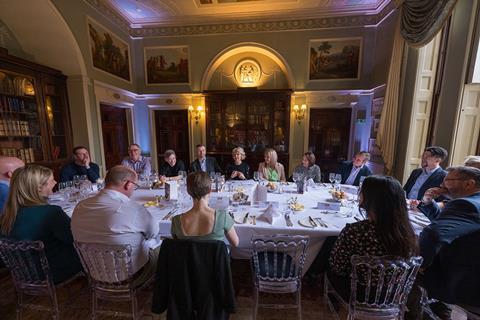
(75, 301)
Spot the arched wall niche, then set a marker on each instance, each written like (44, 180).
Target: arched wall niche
(274, 71)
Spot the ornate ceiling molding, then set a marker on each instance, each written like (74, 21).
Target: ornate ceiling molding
(347, 21)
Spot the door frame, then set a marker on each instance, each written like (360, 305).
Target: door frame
(153, 136)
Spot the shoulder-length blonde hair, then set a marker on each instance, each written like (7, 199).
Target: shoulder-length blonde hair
(240, 151)
(24, 192)
(273, 157)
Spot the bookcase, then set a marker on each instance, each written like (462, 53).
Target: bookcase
(34, 114)
(253, 120)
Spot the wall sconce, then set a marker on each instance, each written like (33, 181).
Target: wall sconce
(299, 112)
(196, 113)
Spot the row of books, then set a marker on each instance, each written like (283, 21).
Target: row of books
(11, 104)
(14, 128)
(26, 154)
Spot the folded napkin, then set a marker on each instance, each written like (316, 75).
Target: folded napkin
(311, 184)
(259, 193)
(270, 214)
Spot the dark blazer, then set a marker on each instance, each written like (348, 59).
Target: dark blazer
(453, 276)
(435, 180)
(193, 280)
(346, 167)
(212, 165)
(71, 169)
(459, 217)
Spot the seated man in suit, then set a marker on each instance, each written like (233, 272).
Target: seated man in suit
(204, 163)
(351, 171)
(459, 217)
(80, 165)
(430, 175)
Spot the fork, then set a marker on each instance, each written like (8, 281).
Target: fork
(169, 214)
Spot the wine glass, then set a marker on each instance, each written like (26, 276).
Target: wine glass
(331, 177)
(76, 181)
(256, 175)
(295, 176)
(212, 176)
(338, 178)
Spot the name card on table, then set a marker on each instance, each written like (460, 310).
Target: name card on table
(334, 206)
(171, 190)
(219, 203)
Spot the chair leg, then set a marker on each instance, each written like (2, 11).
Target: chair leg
(19, 310)
(299, 303)
(55, 309)
(135, 312)
(255, 303)
(94, 304)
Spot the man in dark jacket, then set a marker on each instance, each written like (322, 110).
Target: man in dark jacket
(204, 163)
(430, 175)
(459, 218)
(352, 171)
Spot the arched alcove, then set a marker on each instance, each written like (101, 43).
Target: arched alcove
(220, 74)
(43, 33)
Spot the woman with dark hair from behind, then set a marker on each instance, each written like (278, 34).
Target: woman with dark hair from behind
(386, 231)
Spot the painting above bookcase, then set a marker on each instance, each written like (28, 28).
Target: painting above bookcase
(34, 115)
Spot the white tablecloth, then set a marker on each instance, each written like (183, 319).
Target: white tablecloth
(335, 221)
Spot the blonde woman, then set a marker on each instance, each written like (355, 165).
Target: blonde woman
(270, 169)
(239, 169)
(28, 216)
(202, 222)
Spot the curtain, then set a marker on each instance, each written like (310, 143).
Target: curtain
(387, 130)
(423, 19)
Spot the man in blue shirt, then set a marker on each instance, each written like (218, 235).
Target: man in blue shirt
(430, 175)
(81, 165)
(7, 166)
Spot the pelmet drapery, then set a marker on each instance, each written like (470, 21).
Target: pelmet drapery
(423, 19)
(387, 130)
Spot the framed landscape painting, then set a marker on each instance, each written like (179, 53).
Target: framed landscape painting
(109, 53)
(335, 59)
(167, 65)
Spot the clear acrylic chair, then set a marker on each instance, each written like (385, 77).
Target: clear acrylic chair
(277, 262)
(30, 272)
(379, 287)
(109, 271)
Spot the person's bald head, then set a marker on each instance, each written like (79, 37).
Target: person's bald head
(121, 179)
(8, 165)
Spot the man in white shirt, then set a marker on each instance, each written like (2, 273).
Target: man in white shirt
(112, 218)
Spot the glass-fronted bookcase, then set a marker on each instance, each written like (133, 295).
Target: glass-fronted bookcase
(34, 114)
(251, 120)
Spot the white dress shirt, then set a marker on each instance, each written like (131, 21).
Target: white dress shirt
(110, 217)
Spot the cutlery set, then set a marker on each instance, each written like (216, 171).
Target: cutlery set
(168, 215)
(317, 222)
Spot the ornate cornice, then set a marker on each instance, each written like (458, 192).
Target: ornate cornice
(346, 21)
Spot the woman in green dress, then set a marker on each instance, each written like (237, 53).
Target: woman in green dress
(270, 169)
(28, 216)
(202, 222)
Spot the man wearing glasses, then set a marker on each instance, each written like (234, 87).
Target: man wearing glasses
(451, 279)
(112, 218)
(135, 161)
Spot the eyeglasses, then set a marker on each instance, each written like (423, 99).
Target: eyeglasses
(135, 184)
(452, 179)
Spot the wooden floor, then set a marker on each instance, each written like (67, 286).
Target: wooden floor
(75, 301)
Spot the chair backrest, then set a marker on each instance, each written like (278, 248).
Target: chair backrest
(382, 282)
(106, 263)
(27, 263)
(278, 258)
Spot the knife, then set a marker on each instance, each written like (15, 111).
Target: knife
(314, 224)
(321, 222)
(245, 219)
(168, 215)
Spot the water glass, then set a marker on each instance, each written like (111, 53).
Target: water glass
(76, 181)
(256, 175)
(331, 177)
(338, 178)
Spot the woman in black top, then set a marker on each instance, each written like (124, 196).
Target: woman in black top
(169, 170)
(238, 170)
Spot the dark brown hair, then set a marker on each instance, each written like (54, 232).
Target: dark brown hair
(199, 184)
(384, 201)
(310, 157)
